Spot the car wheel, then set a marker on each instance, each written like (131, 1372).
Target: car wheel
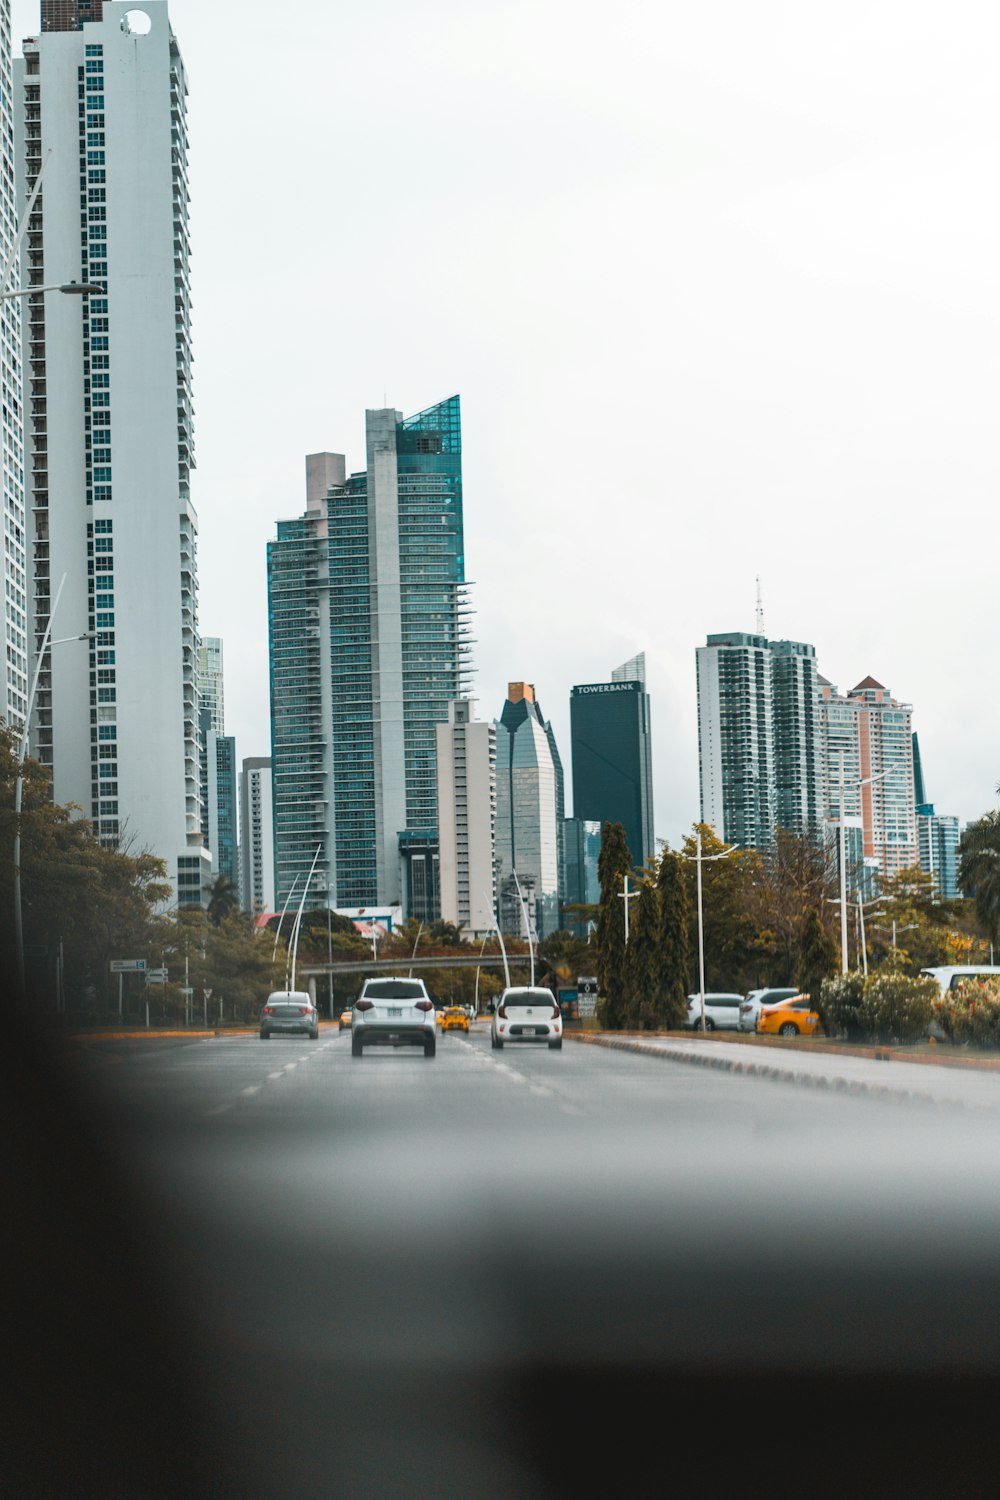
(357, 1046)
(265, 1036)
(556, 1046)
(430, 1047)
(788, 1029)
(709, 1024)
(498, 1044)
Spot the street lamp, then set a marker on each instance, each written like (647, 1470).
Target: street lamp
(626, 895)
(68, 288)
(908, 927)
(860, 781)
(699, 857)
(22, 754)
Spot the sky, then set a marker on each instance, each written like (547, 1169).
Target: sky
(717, 285)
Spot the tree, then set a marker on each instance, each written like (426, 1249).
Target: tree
(674, 950)
(613, 864)
(86, 901)
(817, 958)
(789, 880)
(979, 869)
(642, 960)
(223, 899)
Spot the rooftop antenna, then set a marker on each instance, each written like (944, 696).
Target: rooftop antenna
(760, 609)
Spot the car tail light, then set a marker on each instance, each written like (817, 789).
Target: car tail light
(269, 1010)
(502, 1011)
(303, 1010)
(425, 1005)
(556, 1012)
(365, 1005)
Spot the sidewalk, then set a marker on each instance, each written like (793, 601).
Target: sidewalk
(966, 1082)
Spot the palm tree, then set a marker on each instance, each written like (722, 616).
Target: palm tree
(223, 899)
(979, 869)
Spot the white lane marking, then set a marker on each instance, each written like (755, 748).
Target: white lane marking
(274, 1075)
(542, 1092)
(219, 1109)
(253, 1089)
(289, 1067)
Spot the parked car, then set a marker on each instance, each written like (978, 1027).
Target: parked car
(956, 976)
(289, 1013)
(455, 1019)
(393, 1013)
(794, 1017)
(750, 1007)
(527, 1014)
(345, 1018)
(722, 1012)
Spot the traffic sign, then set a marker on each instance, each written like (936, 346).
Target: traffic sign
(156, 976)
(128, 965)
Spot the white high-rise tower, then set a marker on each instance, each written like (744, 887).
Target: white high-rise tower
(14, 685)
(101, 100)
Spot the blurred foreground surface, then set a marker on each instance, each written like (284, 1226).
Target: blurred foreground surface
(247, 1269)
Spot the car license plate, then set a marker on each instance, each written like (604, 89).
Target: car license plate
(394, 1010)
(529, 1031)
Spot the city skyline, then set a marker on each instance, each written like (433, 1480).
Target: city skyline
(827, 370)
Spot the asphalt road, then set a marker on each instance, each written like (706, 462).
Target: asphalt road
(494, 1273)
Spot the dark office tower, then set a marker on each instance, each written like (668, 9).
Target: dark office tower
(611, 748)
(69, 15)
(919, 795)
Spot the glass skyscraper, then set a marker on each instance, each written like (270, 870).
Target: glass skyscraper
(368, 646)
(529, 815)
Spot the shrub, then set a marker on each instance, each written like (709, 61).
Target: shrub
(896, 1007)
(972, 1014)
(881, 1008)
(838, 1005)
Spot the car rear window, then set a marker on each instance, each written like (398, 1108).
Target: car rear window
(394, 989)
(528, 997)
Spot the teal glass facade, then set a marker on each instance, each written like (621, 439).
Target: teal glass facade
(368, 645)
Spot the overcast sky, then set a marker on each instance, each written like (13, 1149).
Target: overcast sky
(717, 284)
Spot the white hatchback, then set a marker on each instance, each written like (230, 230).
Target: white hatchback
(527, 1014)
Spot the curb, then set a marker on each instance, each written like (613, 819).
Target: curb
(834, 1085)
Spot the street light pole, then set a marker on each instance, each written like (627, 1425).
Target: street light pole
(699, 857)
(626, 895)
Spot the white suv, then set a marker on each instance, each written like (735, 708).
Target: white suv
(750, 1008)
(393, 1013)
(527, 1015)
(722, 1012)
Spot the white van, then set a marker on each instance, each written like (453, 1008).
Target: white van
(954, 976)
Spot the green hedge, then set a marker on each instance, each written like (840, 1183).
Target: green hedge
(879, 1008)
(971, 1014)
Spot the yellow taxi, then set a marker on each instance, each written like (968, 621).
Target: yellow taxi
(794, 1017)
(455, 1019)
(345, 1019)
